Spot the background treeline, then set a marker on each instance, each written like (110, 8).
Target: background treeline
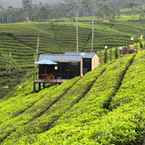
(102, 9)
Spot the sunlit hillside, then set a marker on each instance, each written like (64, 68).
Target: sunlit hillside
(18, 43)
(105, 107)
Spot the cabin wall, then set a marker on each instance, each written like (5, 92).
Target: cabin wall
(95, 62)
(66, 70)
(46, 72)
(81, 69)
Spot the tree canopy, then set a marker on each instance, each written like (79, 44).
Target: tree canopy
(104, 9)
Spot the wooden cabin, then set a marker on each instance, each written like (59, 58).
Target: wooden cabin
(59, 67)
(127, 50)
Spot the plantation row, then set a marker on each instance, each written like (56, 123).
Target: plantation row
(55, 95)
(56, 37)
(8, 81)
(88, 122)
(18, 41)
(57, 114)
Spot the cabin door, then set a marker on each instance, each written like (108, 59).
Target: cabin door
(87, 65)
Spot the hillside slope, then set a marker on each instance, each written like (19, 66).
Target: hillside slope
(18, 43)
(106, 107)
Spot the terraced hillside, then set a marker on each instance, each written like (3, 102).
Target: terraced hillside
(20, 39)
(105, 107)
(18, 43)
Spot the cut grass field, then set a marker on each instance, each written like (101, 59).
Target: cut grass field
(105, 107)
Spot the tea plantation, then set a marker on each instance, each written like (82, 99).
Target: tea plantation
(18, 43)
(105, 107)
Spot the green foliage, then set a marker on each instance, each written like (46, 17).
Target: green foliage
(74, 112)
(39, 120)
(21, 112)
(18, 42)
(105, 56)
(88, 123)
(78, 116)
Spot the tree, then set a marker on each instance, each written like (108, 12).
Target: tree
(142, 13)
(27, 6)
(106, 10)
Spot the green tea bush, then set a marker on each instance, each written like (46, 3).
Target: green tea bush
(32, 107)
(72, 119)
(122, 126)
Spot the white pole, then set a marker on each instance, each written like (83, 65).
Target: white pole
(77, 35)
(37, 54)
(92, 42)
(37, 47)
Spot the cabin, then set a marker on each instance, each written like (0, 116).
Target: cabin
(127, 50)
(55, 68)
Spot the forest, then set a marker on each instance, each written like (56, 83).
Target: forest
(102, 9)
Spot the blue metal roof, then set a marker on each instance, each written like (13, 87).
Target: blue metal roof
(66, 57)
(59, 58)
(46, 61)
(83, 54)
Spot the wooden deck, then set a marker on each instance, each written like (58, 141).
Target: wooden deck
(50, 81)
(40, 84)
